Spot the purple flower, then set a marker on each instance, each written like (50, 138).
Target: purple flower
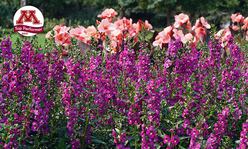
(175, 139)
(242, 146)
(185, 112)
(197, 145)
(151, 132)
(195, 132)
(1, 98)
(6, 49)
(212, 141)
(167, 63)
(242, 136)
(35, 126)
(166, 139)
(75, 144)
(174, 46)
(87, 139)
(70, 126)
(121, 146)
(245, 125)
(225, 111)
(123, 137)
(114, 134)
(186, 123)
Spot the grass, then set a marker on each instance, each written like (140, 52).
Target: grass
(13, 37)
(40, 38)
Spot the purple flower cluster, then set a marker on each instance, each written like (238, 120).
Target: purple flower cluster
(6, 49)
(193, 98)
(174, 46)
(243, 137)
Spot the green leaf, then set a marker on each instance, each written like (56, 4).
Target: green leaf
(159, 89)
(93, 93)
(237, 141)
(94, 106)
(85, 90)
(181, 147)
(99, 125)
(4, 125)
(181, 138)
(81, 119)
(81, 132)
(143, 117)
(12, 101)
(2, 135)
(95, 120)
(97, 141)
(194, 108)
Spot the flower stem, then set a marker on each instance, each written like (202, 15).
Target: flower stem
(87, 120)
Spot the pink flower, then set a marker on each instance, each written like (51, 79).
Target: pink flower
(219, 33)
(163, 37)
(106, 26)
(147, 25)
(246, 24)
(62, 36)
(77, 31)
(63, 39)
(140, 23)
(116, 34)
(188, 37)
(57, 29)
(197, 24)
(157, 42)
(168, 30)
(180, 19)
(237, 18)
(205, 23)
(235, 27)
(48, 35)
(188, 26)
(227, 33)
(119, 24)
(64, 29)
(91, 31)
(178, 34)
(108, 14)
(246, 38)
(200, 32)
(124, 24)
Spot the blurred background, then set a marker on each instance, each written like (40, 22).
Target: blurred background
(160, 13)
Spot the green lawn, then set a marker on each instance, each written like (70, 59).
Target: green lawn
(15, 35)
(41, 37)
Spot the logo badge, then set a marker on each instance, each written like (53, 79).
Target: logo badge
(28, 21)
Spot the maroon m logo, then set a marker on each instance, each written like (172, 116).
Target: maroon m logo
(28, 16)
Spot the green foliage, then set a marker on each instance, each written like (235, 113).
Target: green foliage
(6, 14)
(84, 12)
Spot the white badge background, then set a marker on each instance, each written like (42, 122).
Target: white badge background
(38, 15)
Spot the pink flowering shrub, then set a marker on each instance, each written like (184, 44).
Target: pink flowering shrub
(187, 95)
(116, 32)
